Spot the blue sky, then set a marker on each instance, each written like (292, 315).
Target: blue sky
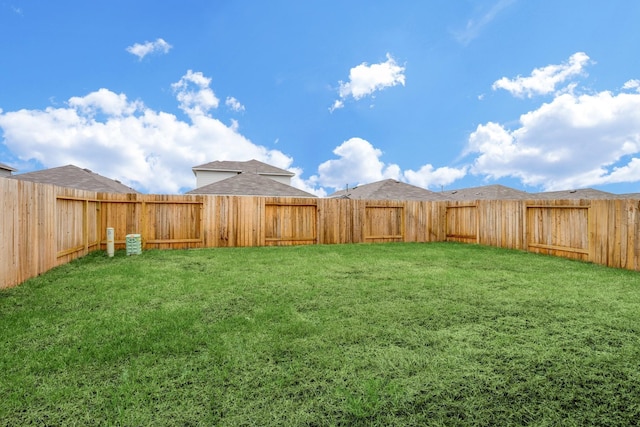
(536, 95)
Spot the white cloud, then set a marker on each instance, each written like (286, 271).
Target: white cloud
(627, 173)
(429, 177)
(310, 185)
(475, 25)
(106, 102)
(359, 163)
(150, 150)
(544, 80)
(143, 49)
(366, 79)
(194, 94)
(234, 104)
(336, 105)
(632, 84)
(572, 142)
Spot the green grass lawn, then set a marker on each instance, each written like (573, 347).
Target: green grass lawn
(389, 334)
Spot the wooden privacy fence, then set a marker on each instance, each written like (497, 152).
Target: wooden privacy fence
(605, 232)
(43, 226)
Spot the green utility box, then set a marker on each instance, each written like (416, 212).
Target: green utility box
(134, 244)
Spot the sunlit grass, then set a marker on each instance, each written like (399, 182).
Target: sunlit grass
(392, 334)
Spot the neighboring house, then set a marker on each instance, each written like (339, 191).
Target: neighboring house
(388, 189)
(6, 170)
(629, 196)
(585, 193)
(74, 177)
(487, 192)
(209, 173)
(250, 184)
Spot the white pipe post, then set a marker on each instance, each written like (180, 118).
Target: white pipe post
(110, 241)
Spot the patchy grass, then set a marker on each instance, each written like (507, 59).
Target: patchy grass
(391, 334)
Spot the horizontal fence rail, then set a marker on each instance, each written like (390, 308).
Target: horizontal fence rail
(43, 226)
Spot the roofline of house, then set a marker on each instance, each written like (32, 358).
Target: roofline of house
(8, 168)
(284, 173)
(197, 168)
(277, 174)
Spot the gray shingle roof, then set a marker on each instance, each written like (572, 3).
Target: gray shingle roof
(629, 196)
(487, 192)
(252, 166)
(74, 177)
(584, 193)
(250, 184)
(388, 189)
(7, 168)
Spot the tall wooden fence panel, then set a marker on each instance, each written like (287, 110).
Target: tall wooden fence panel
(171, 223)
(164, 222)
(614, 232)
(291, 222)
(233, 221)
(77, 223)
(122, 213)
(424, 221)
(559, 228)
(220, 221)
(461, 222)
(384, 222)
(501, 223)
(17, 261)
(43, 226)
(336, 221)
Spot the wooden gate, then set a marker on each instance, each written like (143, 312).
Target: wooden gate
(291, 224)
(561, 230)
(384, 224)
